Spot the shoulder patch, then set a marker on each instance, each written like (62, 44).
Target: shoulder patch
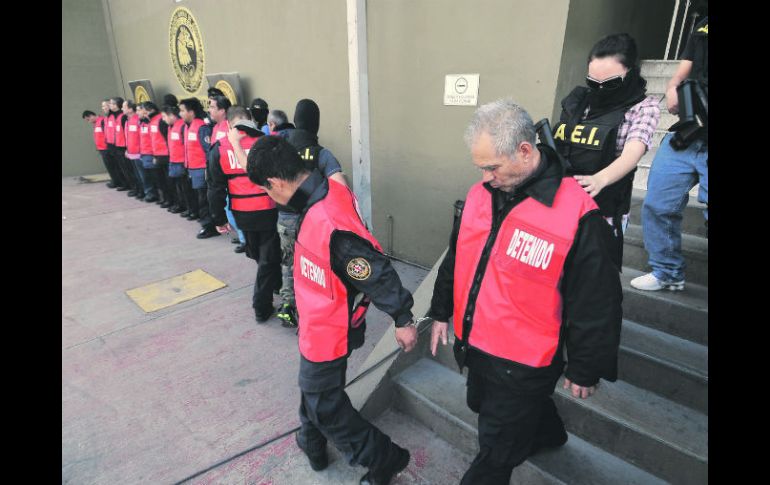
(359, 269)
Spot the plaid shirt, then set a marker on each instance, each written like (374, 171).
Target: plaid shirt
(639, 123)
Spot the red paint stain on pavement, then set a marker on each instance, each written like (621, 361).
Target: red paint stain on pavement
(420, 457)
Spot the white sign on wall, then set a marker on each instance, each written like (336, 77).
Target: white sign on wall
(461, 90)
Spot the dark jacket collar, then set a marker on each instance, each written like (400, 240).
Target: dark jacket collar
(313, 189)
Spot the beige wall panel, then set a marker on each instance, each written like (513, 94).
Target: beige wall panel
(87, 78)
(283, 51)
(420, 164)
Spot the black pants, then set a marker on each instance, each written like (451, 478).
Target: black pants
(165, 186)
(190, 197)
(110, 163)
(329, 414)
(511, 427)
(127, 168)
(202, 197)
(178, 184)
(265, 248)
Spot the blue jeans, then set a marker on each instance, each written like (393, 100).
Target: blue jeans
(139, 173)
(150, 177)
(672, 175)
(231, 220)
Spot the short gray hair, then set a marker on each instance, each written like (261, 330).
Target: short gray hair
(507, 123)
(278, 117)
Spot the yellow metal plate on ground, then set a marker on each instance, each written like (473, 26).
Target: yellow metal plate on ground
(169, 292)
(100, 177)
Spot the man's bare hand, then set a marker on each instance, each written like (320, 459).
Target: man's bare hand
(234, 135)
(579, 391)
(406, 337)
(438, 330)
(225, 229)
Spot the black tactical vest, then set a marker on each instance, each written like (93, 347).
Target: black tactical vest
(588, 145)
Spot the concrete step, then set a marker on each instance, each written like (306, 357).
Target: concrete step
(657, 137)
(694, 250)
(436, 397)
(692, 217)
(683, 314)
(669, 366)
(658, 435)
(656, 86)
(658, 68)
(666, 119)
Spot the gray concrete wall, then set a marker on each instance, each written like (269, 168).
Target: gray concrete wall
(646, 21)
(87, 78)
(420, 164)
(283, 51)
(532, 51)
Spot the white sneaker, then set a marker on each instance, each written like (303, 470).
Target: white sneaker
(649, 282)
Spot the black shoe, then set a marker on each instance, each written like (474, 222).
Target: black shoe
(235, 240)
(384, 476)
(176, 210)
(263, 316)
(131, 193)
(150, 199)
(184, 213)
(192, 217)
(140, 196)
(110, 185)
(206, 233)
(317, 461)
(122, 189)
(241, 248)
(166, 205)
(159, 201)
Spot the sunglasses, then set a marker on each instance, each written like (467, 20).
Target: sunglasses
(609, 84)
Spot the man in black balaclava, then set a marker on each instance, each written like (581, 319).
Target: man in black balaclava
(259, 111)
(304, 138)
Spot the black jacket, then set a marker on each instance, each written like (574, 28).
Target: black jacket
(217, 191)
(383, 286)
(590, 289)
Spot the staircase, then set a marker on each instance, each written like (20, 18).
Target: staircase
(648, 427)
(657, 73)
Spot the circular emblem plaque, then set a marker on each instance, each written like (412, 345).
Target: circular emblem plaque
(186, 49)
(225, 87)
(140, 95)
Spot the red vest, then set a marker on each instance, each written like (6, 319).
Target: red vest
(245, 196)
(109, 129)
(175, 142)
(219, 132)
(132, 135)
(145, 141)
(101, 143)
(159, 146)
(194, 155)
(321, 296)
(120, 135)
(517, 315)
